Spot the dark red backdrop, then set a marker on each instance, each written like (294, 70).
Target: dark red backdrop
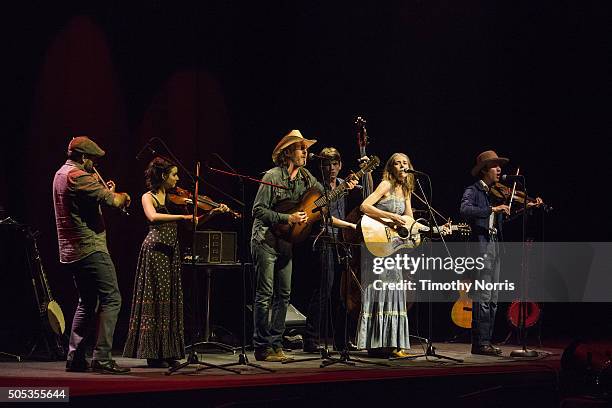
(438, 80)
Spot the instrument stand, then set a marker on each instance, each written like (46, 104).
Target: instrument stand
(51, 355)
(430, 351)
(35, 269)
(522, 332)
(243, 360)
(10, 356)
(45, 336)
(518, 340)
(192, 357)
(462, 334)
(207, 329)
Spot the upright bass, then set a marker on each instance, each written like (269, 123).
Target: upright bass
(350, 283)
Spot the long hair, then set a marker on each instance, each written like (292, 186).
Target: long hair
(155, 171)
(282, 158)
(389, 175)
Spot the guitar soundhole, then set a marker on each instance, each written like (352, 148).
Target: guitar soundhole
(403, 232)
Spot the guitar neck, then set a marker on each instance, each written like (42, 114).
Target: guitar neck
(453, 228)
(366, 181)
(338, 191)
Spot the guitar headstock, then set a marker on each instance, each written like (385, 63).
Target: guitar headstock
(362, 133)
(373, 162)
(450, 228)
(462, 229)
(368, 164)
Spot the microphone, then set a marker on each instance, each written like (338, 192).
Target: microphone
(144, 149)
(313, 156)
(511, 177)
(412, 171)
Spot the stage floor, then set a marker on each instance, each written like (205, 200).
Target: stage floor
(475, 374)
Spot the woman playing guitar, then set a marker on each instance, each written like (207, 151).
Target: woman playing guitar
(384, 311)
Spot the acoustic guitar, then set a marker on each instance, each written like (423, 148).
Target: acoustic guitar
(312, 203)
(383, 238)
(461, 314)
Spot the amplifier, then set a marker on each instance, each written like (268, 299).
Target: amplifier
(216, 246)
(293, 318)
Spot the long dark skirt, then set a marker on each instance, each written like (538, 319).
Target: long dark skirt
(156, 328)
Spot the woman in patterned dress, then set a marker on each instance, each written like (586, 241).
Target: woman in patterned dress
(383, 321)
(156, 330)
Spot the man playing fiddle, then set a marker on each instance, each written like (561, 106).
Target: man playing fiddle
(77, 196)
(485, 221)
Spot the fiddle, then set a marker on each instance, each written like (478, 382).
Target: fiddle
(111, 186)
(502, 194)
(184, 197)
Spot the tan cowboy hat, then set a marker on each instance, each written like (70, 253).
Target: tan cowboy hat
(485, 158)
(290, 138)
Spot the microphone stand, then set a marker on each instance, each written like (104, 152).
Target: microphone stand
(430, 350)
(345, 357)
(193, 177)
(192, 358)
(345, 354)
(524, 352)
(243, 360)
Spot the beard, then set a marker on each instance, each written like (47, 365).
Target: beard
(88, 165)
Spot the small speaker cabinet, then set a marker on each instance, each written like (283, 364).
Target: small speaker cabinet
(215, 246)
(228, 247)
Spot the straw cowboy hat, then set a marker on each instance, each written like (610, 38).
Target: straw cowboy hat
(485, 158)
(290, 138)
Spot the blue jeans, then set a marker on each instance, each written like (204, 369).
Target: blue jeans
(273, 288)
(99, 303)
(484, 305)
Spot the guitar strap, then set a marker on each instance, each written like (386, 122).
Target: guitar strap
(303, 174)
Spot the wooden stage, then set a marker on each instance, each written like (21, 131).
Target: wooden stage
(475, 381)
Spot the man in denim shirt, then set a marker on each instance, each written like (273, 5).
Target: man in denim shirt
(77, 195)
(486, 222)
(272, 256)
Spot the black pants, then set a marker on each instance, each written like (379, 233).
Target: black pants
(99, 303)
(326, 312)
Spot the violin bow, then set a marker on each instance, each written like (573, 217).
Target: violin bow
(196, 195)
(513, 191)
(123, 210)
